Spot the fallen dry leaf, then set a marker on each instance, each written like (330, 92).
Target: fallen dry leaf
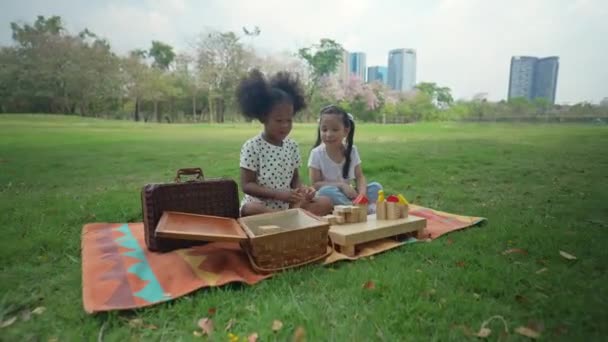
(450, 241)
(8, 322)
(252, 308)
(369, 285)
(197, 333)
(39, 310)
(460, 264)
(252, 338)
(211, 311)
(515, 250)
(53, 339)
(544, 269)
(276, 325)
(483, 332)
(525, 331)
(567, 255)
(207, 325)
(299, 335)
(230, 324)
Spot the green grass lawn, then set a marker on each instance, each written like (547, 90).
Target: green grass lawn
(543, 188)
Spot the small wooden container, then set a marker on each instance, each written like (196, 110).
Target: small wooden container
(393, 211)
(362, 212)
(405, 209)
(381, 211)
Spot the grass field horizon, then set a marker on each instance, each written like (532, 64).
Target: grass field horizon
(542, 187)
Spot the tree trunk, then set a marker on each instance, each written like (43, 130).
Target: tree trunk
(136, 116)
(211, 107)
(194, 107)
(156, 111)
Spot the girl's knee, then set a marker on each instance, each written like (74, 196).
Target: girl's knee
(375, 186)
(328, 190)
(372, 190)
(320, 206)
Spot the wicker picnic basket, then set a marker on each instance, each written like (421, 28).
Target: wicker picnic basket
(218, 197)
(304, 241)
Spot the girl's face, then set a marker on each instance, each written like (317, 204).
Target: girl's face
(278, 123)
(333, 131)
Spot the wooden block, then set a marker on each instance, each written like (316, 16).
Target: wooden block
(270, 229)
(404, 210)
(381, 211)
(340, 219)
(393, 211)
(348, 217)
(343, 208)
(362, 212)
(331, 219)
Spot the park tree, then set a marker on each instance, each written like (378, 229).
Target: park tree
(221, 61)
(439, 95)
(323, 59)
(162, 55)
(59, 71)
(135, 75)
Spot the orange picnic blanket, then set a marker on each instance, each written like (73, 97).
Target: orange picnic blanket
(119, 273)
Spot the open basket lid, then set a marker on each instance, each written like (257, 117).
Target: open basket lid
(185, 226)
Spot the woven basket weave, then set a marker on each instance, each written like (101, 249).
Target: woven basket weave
(217, 197)
(286, 249)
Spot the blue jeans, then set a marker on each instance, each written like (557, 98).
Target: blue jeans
(339, 198)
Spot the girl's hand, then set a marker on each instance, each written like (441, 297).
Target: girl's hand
(349, 191)
(293, 196)
(308, 192)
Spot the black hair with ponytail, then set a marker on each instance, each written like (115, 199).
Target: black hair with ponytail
(349, 123)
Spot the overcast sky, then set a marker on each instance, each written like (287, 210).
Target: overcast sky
(463, 44)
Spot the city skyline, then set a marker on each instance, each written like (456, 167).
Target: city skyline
(460, 44)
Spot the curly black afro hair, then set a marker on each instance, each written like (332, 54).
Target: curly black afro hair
(257, 96)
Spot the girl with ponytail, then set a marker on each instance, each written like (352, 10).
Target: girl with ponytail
(334, 161)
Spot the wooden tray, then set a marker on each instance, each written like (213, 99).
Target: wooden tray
(348, 236)
(177, 225)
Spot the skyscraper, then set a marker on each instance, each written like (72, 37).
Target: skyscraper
(377, 73)
(532, 77)
(402, 69)
(545, 78)
(356, 65)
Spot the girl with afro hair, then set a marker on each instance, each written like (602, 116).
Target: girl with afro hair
(269, 161)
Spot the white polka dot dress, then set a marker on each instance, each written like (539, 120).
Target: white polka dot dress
(274, 166)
